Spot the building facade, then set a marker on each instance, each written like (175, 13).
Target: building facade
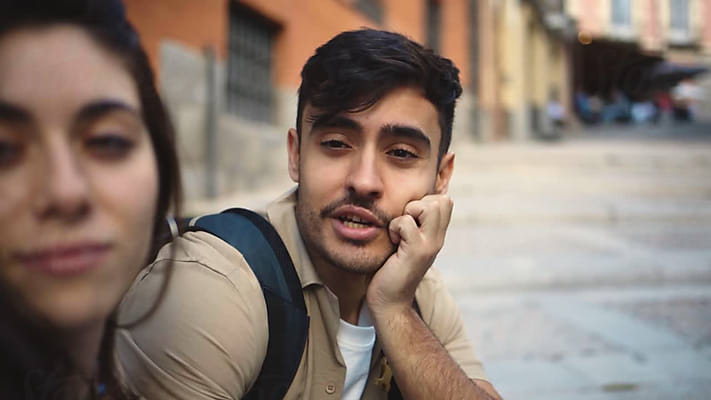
(524, 65)
(229, 70)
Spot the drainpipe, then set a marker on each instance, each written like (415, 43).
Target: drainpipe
(210, 124)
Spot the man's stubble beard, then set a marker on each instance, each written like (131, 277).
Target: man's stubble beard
(312, 226)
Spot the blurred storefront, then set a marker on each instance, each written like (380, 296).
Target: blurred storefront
(633, 52)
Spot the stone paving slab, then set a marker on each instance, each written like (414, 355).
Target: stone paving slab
(496, 256)
(684, 390)
(687, 317)
(592, 344)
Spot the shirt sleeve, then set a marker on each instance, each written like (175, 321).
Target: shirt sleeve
(208, 337)
(442, 315)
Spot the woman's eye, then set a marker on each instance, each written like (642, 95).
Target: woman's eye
(109, 146)
(334, 144)
(402, 153)
(9, 153)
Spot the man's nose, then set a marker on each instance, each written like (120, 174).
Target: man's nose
(64, 189)
(364, 177)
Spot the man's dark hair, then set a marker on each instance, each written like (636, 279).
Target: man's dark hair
(355, 69)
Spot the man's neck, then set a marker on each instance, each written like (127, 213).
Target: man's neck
(349, 287)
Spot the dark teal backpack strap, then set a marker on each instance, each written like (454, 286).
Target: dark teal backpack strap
(260, 245)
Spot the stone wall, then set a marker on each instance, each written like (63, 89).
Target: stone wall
(249, 155)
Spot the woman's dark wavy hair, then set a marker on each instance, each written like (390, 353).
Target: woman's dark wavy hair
(355, 69)
(30, 363)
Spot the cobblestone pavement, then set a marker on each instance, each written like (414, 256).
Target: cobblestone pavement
(583, 268)
(594, 343)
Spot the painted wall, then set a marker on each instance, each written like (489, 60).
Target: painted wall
(193, 23)
(706, 7)
(304, 25)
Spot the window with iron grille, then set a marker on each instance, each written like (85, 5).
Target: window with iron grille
(433, 22)
(679, 15)
(249, 82)
(372, 8)
(621, 13)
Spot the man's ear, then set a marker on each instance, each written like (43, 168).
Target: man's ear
(444, 173)
(292, 148)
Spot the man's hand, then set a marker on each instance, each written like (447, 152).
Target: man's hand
(419, 234)
(421, 365)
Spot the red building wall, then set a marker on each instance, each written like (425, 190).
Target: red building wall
(707, 26)
(304, 25)
(194, 23)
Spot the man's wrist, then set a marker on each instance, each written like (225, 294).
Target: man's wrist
(392, 312)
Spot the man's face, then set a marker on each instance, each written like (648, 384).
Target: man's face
(357, 171)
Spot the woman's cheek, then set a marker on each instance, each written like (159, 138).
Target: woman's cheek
(130, 194)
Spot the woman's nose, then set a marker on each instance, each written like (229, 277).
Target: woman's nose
(64, 190)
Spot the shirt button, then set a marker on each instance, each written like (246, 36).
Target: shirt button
(330, 388)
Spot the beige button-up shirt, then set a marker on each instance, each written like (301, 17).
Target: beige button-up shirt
(208, 338)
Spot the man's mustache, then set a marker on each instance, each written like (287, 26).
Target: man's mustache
(358, 201)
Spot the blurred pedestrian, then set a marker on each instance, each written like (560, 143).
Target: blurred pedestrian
(556, 116)
(617, 109)
(664, 107)
(687, 96)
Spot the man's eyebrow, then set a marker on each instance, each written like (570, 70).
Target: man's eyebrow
(13, 113)
(335, 121)
(406, 132)
(99, 108)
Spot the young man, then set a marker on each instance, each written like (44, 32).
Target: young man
(363, 226)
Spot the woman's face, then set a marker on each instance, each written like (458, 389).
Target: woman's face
(78, 175)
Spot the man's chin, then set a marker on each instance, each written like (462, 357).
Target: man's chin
(357, 268)
(358, 261)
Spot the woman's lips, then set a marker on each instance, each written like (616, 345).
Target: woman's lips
(65, 260)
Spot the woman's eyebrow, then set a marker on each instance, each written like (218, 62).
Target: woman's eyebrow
(14, 114)
(99, 108)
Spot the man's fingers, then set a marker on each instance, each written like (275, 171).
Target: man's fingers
(403, 228)
(416, 209)
(394, 231)
(431, 212)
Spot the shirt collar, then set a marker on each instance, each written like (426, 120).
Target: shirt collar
(282, 216)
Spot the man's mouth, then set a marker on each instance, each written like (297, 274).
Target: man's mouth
(355, 222)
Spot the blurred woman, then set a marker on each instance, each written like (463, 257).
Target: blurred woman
(88, 171)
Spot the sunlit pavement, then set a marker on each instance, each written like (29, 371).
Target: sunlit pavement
(583, 267)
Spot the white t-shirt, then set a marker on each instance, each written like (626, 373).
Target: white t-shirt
(356, 344)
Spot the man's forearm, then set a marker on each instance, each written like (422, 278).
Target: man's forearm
(421, 365)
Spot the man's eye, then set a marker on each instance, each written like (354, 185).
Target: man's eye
(9, 153)
(109, 146)
(402, 153)
(334, 144)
